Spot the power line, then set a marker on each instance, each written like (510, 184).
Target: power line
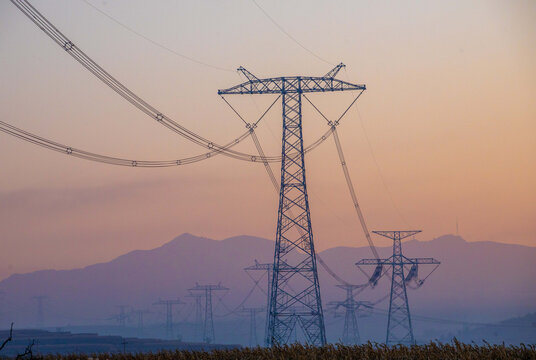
(375, 160)
(174, 52)
(239, 306)
(353, 194)
(380, 172)
(82, 154)
(347, 177)
(250, 86)
(111, 160)
(35, 16)
(289, 35)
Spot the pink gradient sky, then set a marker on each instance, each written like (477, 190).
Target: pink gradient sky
(449, 112)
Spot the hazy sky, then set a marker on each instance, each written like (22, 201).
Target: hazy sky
(445, 129)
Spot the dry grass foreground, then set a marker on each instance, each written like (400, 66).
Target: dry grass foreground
(431, 351)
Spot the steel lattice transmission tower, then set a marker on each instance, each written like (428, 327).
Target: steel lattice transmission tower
(122, 316)
(399, 327)
(198, 313)
(252, 313)
(169, 314)
(40, 309)
(208, 326)
(295, 277)
(350, 334)
(268, 268)
(139, 314)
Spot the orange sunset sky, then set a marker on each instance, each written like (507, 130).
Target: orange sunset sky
(445, 131)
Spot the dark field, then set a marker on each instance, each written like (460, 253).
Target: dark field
(455, 350)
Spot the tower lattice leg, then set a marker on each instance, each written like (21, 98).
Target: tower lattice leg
(350, 335)
(208, 329)
(295, 294)
(399, 328)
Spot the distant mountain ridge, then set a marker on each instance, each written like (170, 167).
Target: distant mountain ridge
(477, 281)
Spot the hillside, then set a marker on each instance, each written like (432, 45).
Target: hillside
(477, 281)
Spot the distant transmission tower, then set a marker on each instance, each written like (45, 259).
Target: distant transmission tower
(399, 328)
(252, 312)
(40, 310)
(268, 268)
(198, 313)
(139, 314)
(295, 277)
(122, 317)
(208, 326)
(350, 334)
(169, 314)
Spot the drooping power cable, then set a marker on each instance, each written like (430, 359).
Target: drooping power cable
(35, 16)
(347, 177)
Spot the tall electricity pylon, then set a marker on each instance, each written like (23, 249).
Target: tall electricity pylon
(268, 268)
(295, 277)
(169, 314)
(399, 328)
(208, 326)
(350, 334)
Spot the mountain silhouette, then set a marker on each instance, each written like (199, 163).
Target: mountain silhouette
(476, 281)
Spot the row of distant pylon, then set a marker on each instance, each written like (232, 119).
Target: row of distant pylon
(399, 327)
(204, 320)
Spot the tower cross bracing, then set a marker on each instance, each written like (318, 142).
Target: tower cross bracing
(295, 290)
(399, 326)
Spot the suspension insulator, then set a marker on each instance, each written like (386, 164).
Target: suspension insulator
(412, 274)
(376, 275)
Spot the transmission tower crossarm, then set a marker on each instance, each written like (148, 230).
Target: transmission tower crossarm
(423, 261)
(405, 260)
(259, 266)
(400, 234)
(371, 262)
(389, 261)
(174, 302)
(208, 287)
(291, 84)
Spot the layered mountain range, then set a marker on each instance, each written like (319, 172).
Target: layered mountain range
(476, 281)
